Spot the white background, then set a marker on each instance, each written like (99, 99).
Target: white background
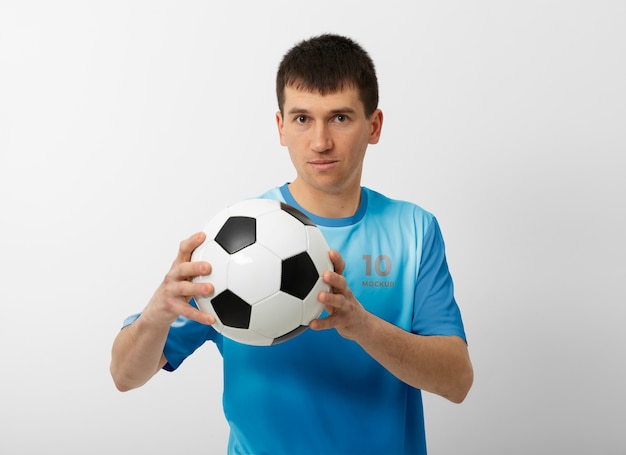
(125, 125)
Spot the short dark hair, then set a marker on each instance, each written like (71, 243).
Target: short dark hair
(327, 63)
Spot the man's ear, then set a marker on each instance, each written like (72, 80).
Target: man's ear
(280, 124)
(376, 122)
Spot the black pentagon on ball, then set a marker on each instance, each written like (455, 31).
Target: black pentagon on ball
(299, 275)
(297, 214)
(237, 233)
(232, 310)
(289, 335)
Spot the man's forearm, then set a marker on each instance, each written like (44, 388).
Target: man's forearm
(437, 364)
(137, 354)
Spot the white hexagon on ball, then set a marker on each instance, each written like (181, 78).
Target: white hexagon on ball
(253, 208)
(254, 273)
(246, 336)
(276, 315)
(318, 249)
(282, 233)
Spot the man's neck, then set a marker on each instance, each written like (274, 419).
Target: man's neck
(325, 204)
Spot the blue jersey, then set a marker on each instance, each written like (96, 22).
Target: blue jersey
(319, 393)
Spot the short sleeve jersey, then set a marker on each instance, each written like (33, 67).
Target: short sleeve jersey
(319, 393)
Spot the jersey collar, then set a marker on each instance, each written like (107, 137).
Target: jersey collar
(323, 221)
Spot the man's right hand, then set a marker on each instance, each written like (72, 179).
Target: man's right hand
(171, 299)
(137, 352)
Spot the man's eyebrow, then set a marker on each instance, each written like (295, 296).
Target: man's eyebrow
(297, 110)
(341, 110)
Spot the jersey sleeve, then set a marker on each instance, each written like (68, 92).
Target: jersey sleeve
(435, 309)
(184, 337)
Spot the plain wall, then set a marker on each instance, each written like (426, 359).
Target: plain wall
(125, 125)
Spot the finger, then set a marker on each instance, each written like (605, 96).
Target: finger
(189, 289)
(189, 270)
(331, 301)
(197, 315)
(188, 245)
(186, 271)
(335, 280)
(322, 323)
(337, 260)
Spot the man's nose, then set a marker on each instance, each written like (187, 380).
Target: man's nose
(321, 140)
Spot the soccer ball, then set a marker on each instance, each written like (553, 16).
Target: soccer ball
(267, 259)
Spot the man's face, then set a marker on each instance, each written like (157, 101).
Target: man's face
(327, 137)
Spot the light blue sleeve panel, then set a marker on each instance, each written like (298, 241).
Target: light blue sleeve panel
(435, 309)
(184, 337)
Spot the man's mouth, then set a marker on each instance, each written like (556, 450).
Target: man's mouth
(323, 165)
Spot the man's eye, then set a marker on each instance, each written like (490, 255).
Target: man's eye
(341, 118)
(301, 119)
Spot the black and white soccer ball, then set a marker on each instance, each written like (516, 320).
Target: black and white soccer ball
(267, 259)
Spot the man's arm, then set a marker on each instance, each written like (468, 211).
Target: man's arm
(137, 352)
(437, 364)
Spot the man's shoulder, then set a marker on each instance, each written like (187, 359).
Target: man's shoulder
(381, 204)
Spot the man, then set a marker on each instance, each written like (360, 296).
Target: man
(352, 384)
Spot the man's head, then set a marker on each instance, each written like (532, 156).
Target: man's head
(327, 64)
